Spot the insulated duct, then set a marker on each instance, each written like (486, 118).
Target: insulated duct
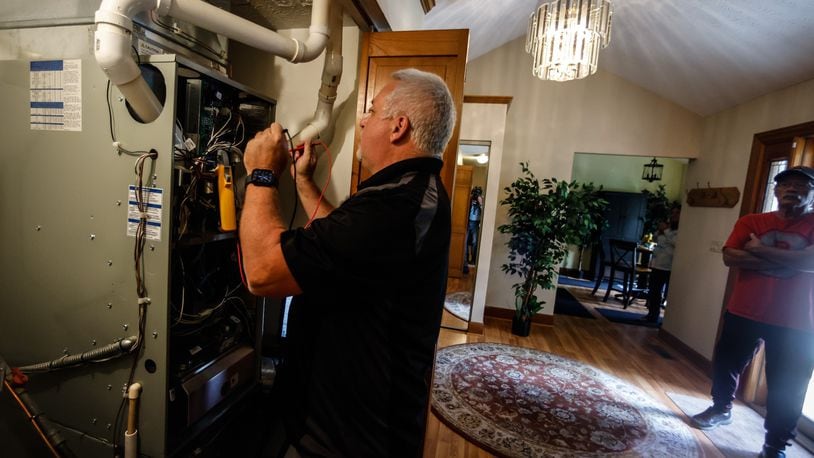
(114, 27)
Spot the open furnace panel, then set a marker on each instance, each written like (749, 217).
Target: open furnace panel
(72, 248)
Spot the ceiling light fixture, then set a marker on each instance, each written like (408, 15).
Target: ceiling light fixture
(564, 38)
(652, 171)
(481, 158)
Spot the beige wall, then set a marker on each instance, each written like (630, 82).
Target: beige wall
(548, 122)
(699, 276)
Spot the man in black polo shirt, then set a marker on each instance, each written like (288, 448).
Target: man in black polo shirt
(369, 275)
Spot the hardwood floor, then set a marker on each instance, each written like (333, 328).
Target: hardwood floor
(632, 353)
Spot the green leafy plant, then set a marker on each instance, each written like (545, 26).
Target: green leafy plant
(545, 216)
(658, 208)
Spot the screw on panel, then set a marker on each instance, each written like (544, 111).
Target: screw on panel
(124, 326)
(93, 421)
(155, 334)
(121, 99)
(109, 387)
(152, 247)
(108, 426)
(39, 227)
(109, 305)
(109, 262)
(93, 342)
(93, 236)
(118, 203)
(65, 351)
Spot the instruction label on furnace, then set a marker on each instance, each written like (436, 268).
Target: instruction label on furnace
(56, 94)
(154, 197)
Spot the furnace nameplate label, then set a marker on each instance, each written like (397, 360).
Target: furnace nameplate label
(56, 94)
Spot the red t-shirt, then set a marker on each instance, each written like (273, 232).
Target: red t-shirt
(781, 297)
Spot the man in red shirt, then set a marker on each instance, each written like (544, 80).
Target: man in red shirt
(772, 300)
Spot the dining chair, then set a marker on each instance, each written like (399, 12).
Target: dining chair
(624, 259)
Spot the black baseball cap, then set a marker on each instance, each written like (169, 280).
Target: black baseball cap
(799, 170)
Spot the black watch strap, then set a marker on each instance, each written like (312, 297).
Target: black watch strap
(263, 177)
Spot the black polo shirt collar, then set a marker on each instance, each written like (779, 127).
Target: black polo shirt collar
(394, 171)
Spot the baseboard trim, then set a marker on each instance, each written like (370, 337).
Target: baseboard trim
(695, 358)
(475, 328)
(508, 314)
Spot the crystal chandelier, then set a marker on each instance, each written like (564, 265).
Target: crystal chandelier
(565, 36)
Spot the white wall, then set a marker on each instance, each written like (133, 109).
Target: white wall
(295, 87)
(402, 14)
(699, 275)
(548, 122)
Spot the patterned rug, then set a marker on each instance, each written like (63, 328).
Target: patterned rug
(519, 402)
(459, 304)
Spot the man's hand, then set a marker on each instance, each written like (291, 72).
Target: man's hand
(305, 162)
(267, 150)
(753, 244)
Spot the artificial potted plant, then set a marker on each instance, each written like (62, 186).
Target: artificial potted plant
(544, 218)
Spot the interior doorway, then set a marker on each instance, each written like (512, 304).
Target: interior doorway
(468, 203)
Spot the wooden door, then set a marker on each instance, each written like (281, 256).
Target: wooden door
(442, 52)
(460, 219)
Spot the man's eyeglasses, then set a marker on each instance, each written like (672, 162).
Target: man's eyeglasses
(796, 185)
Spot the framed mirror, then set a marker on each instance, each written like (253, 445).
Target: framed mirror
(468, 202)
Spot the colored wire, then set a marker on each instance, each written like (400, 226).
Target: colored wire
(325, 186)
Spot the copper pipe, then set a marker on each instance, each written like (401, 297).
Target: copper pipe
(31, 418)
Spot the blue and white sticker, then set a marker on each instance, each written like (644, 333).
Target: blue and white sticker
(56, 94)
(154, 197)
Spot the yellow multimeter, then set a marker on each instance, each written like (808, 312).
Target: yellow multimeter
(226, 198)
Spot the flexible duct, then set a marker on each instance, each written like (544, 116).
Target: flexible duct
(331, 75)
(114, 29)
(119, 348)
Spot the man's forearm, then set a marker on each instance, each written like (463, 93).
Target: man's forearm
(309, 197)
(260, 229)
(743, 259)
(802, 260)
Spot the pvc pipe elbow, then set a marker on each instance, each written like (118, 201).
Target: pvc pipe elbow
(312, 47)
(134, 391)
(112, 52)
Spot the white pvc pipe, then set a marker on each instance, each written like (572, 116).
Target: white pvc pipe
(112, 42)
(217, 20)
(331, 75)
(114, 30)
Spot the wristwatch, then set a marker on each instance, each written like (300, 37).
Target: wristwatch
(262, 177)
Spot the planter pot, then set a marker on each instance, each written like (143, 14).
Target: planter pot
(521, 327)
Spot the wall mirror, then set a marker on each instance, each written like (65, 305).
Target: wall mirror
(468, 203)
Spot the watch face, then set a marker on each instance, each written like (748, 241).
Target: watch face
(263, 177)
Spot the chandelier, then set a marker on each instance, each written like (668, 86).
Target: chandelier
(652, 171)
(564, 38)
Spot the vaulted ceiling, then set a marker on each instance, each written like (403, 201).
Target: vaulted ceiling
(705, 55)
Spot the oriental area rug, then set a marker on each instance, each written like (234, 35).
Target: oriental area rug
(458, 304)
(520, 402)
